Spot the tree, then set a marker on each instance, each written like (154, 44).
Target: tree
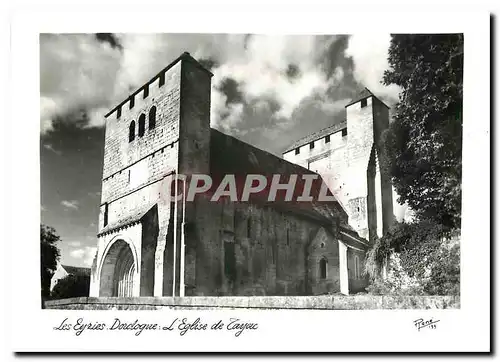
(50, 255)
(423, 144)
(72, 286)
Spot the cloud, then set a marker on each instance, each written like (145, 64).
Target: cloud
(80, 72)
(223, 115)
(72, 204)
(261, 67)
(257, 63)
(94, 194)
(85, 254)
(369, 52)
(329, 106)
(74, 243)
(77, 72)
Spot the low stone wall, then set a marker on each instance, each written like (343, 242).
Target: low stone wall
(327, 302)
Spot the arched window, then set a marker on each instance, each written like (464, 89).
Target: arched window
(323, 264)
(142, 124)
(152, 117)
(131, 131)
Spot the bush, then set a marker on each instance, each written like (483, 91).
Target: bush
(72, 286)
(415, 259)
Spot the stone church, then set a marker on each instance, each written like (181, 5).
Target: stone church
(151, 245)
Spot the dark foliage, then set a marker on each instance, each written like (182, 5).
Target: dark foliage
(72, 286)
(427, 252)
(50, 255)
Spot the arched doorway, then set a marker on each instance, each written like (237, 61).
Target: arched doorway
(118, 271)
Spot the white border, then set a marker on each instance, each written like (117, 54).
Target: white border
(30, 329)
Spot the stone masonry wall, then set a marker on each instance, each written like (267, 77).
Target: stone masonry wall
(332, 167)
(381, 122)
(137, 173)
(359, 147)
(329, 159)
(330, 302)
(268, 251)
(118, 152)
(343, 163)
(147, 170)
(357, 282)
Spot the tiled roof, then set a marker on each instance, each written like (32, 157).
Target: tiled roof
(365, 93)
(351, 237)
(228, 155)
(316, 135)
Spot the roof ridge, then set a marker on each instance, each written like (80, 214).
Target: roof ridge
(291, 164)
(73, 266)
(315, 135)
(362, 94)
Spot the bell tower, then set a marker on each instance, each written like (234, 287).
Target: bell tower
(160, 130)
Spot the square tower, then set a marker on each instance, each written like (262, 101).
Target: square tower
(369, 191)
(347, 155)
(161, 129)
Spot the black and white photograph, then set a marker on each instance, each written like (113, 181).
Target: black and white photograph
(221, 185)
(238, 111)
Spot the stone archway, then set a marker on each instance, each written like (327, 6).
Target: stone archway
(118, 271)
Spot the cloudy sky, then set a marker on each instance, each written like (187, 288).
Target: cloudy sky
(266, 90)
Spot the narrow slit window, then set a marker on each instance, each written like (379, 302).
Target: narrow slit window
(162, 79)
(132, 102)
(105, 214)
(146, 91)
(297, 150)
(344, 132)
(327, 139)
(229, 261)
(356, 267)
(119, 112)
(364, 103)
(311, 145)
(323, 264)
